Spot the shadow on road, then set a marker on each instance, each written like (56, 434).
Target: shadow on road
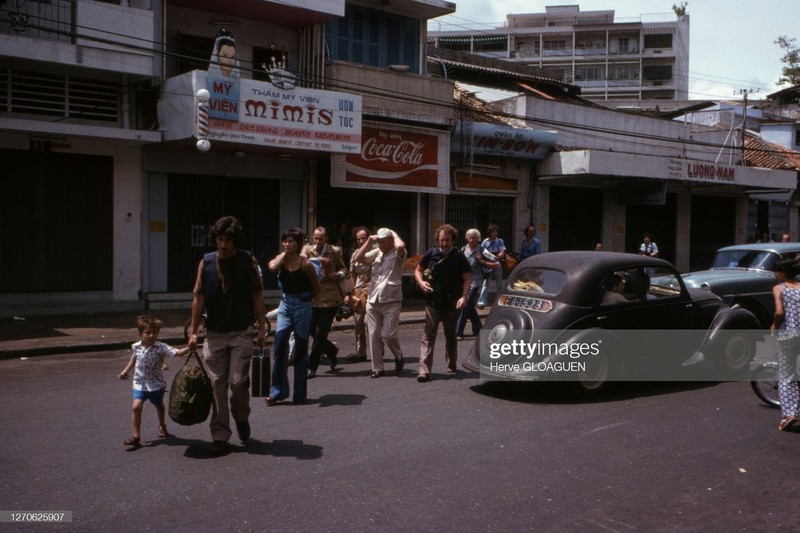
(198, 449)
(567, 393)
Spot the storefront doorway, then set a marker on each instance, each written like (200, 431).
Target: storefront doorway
(195, 202)
(465, 212)
(713, 226)
(658, 221)
(576, 218)
(56, 210)
(340, 209)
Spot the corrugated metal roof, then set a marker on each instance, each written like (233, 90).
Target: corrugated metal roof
(491, 70)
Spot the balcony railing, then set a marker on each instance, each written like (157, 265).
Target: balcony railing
(54, 20)
(55, 96)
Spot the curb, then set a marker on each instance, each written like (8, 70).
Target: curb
(90, 346)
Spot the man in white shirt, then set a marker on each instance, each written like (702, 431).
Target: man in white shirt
(385, 296)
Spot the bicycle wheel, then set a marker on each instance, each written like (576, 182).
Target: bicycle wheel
(201, 329)
(765, 383)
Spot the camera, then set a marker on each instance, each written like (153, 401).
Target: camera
(343, 312)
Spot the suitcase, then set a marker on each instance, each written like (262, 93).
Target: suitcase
(260, 372)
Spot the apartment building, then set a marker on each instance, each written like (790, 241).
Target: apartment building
(609, 59)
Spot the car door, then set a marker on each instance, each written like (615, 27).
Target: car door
(654, 317)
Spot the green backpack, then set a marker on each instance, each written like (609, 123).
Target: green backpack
(191, 394)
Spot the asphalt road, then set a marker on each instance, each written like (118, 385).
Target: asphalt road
(392, 454)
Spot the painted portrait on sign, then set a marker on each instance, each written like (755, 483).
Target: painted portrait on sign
(223, 78)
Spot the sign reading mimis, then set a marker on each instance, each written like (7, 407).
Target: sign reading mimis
(256, 112)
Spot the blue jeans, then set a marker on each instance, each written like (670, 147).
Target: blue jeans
(294, 316)
(468, 312)
(497, 276)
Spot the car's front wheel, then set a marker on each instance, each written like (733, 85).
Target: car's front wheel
(597, 374)
(733, 352)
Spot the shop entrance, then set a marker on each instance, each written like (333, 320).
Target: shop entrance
(465, 212)
(195, 202)
(713, 223)
(658, 221)
(576, 218)
(56, 210)
(341, 209)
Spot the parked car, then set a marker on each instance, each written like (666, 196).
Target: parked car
(744, 275)
(653, 325)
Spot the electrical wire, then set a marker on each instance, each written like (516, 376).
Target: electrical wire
(593, 131)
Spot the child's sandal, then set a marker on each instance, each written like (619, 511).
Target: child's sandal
(162, 432)
(132, 441)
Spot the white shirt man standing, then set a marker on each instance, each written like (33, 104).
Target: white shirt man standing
(385, 297)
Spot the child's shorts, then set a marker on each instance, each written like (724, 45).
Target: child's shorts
(155, 396)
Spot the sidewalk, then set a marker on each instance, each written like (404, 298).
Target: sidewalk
(49, 335)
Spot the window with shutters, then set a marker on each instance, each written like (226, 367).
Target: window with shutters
(374, 38)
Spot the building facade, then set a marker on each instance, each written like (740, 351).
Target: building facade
(99, 130)
(608, 59)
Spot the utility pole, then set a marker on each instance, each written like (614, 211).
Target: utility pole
(744, 92)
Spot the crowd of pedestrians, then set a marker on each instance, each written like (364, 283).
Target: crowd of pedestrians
(312, 277)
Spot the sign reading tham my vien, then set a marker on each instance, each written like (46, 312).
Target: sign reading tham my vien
(247, 111)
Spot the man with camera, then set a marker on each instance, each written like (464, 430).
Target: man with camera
(444, 276)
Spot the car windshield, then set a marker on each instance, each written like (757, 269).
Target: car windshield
(537, 280)
(757, 259)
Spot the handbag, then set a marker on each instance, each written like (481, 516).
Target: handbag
(191, 394)
(358, 300)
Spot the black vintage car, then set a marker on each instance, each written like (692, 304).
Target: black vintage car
(595, 317)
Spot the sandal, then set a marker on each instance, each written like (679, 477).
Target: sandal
(132, 441)
(787, 422)
(162, 432)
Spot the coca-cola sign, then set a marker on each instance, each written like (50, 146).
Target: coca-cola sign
(391, 157)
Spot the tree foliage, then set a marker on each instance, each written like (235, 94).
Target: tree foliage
(790, 59)
(680, 10)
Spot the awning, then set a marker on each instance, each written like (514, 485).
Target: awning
(569, 165)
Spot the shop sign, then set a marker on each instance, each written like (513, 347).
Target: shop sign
(682, 169)
(396, 159)
(504, 141)
(260, 113)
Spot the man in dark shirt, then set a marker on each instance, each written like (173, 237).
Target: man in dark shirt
(444, 276)
(230, 289)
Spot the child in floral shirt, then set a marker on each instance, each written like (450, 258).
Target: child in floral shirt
(148, 380)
